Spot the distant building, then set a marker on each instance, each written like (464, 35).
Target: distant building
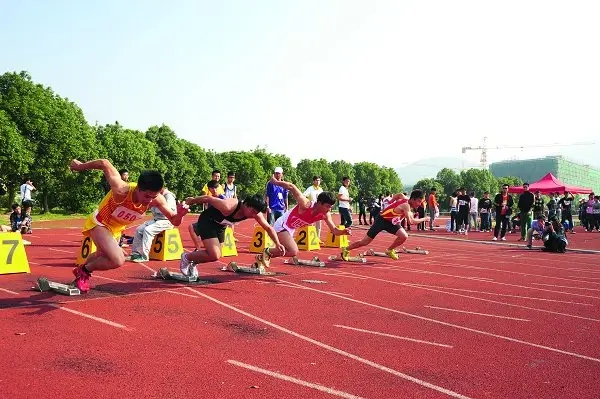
(531, 170)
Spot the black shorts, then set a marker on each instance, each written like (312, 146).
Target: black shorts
(380, 225)
(208, 229)
(27, 204)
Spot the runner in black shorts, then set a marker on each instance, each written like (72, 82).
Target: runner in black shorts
(389, 220)
(214, 220)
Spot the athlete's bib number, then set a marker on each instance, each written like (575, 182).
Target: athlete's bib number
(126, 215)
(172, 244)
(302, 237)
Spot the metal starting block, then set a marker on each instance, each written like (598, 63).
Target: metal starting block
(417, 251)
(354, 259)
(372, 252)
(45, 285)
(253, 269)
(165, 274)
(315, 262)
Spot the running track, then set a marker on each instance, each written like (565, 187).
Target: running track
(466, 321)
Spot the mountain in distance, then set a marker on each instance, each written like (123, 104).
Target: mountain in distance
(429, 168)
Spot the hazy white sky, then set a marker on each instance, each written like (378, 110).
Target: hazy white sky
(390, 82)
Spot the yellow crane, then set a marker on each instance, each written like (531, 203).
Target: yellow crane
(484, 149)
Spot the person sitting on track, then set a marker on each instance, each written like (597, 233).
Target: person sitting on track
(536, 230)
(124, 204)
(389, 219)
(303, 214)
(212, 223)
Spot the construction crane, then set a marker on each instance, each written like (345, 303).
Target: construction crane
(484, 149)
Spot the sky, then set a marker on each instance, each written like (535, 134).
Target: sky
(391, 82)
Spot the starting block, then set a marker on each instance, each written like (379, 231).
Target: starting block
(333, 241)
(45, 285)
(165, 274)
(353, 259)
(253, 269)
(228, 247)
(417, 251)
(372, 252)
(315, 262)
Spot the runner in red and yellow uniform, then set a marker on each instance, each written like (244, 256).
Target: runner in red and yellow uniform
(123, 204)
(390, 219)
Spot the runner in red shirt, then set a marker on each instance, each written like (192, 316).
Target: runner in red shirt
(303, 214)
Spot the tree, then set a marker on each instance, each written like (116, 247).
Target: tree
(248, 172)
(478, 180)
(307, 168)
(54, 128)
(391, 181)
(449, 179)
(15, 156)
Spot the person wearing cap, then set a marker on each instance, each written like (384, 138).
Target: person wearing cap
(276, 197)
(525, 205)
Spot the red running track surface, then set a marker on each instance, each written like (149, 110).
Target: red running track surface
(467, 320)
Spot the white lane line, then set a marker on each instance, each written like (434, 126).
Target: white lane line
(506, 295)
(328, 347)
(393, 336)
(89, 316)
(109, 279)
(146, 266)
(475, 313)
(586, 277)
(457, 326)
(9, 291)
(60, 250)
(566, 286)
(287, 378)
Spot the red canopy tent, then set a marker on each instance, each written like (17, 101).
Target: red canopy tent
(550, 184)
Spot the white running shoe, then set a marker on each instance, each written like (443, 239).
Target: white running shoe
(185, 265)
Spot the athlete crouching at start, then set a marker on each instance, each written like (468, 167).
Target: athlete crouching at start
(390, 219)
(123, 205)
(214, 220)
(303, 214)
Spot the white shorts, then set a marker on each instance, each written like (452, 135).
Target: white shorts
(280, 225)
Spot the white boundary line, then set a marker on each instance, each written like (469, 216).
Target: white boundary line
(475, 313)
(89, 316)
(489, 334)
(393, 336)
(328, 347)
(287, 378)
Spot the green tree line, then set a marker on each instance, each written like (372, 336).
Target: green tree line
(40, 132)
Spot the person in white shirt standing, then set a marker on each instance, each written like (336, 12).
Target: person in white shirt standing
(344, 202)
(473, 212)
(312, 193)
(26, 201)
